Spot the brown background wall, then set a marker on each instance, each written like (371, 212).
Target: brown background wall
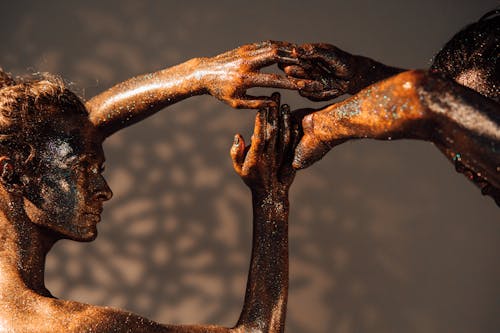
(385, 237)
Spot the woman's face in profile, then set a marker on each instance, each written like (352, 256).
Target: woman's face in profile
(67, 191)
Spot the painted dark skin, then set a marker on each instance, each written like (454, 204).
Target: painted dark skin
(266, 167)
(60, 193)
(459, 113)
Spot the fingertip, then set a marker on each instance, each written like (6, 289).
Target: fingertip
(237, 148)
(238, 142)
(276, 98)
(294, 71)
(308, 151)
(269, 105)
(285, 109)
(299, 162)
(301, 84)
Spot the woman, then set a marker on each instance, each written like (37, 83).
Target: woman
(51, 186)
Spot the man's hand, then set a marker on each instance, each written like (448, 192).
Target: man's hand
(338, 71)
(265, 165)
(325, 63)
(228, 75)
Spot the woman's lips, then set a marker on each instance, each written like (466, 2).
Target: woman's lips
(92, 216)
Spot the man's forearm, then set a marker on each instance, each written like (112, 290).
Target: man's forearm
(368, 72)
(414, 105)
(467, 130)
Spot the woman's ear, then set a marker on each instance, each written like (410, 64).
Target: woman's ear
(8, 176)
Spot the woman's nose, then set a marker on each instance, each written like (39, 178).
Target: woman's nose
(103, 192)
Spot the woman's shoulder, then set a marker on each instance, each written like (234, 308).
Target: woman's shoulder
(43, 314)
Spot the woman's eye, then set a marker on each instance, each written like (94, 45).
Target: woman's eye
(85, 166)
(80, 166)
(98, 169)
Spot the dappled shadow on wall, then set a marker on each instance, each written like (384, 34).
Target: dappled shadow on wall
(384, 236)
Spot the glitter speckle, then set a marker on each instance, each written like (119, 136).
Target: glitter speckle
(407, 85)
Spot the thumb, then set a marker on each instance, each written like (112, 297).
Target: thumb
(238, 153)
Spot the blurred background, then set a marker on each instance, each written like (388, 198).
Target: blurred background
(384, 236)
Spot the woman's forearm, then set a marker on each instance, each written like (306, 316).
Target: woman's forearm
(226, 77)
(139, 97)
(267, 286)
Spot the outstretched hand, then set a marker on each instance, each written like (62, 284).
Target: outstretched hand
(229, 75)
(266, 165)
(325, 63)
(339, 72)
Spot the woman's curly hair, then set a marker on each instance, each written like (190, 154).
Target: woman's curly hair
(27, 105)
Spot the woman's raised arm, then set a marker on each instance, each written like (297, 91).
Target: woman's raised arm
(226, 77)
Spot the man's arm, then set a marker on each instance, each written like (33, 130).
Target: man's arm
(340, 72)
(414, 105)
(226, 77)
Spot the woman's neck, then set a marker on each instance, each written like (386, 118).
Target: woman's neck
(23, 249)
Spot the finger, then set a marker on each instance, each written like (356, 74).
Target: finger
(276, 98)
(254, 152)
(331, 59)
(247, 51)
(274, 52)
(242, 103)
(259, 135)
(271, 129)
(284, 135)
(296, 135)
(295, 71)
(320, 96)
(264, 59)
(308, 151)
(237, 153)
(287, 171)
(316, 50)
(307, 65)
(278, 81)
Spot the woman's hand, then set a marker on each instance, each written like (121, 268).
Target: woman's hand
(228, 75)
(265, 165)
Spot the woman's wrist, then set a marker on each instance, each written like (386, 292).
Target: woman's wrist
(191, 74)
